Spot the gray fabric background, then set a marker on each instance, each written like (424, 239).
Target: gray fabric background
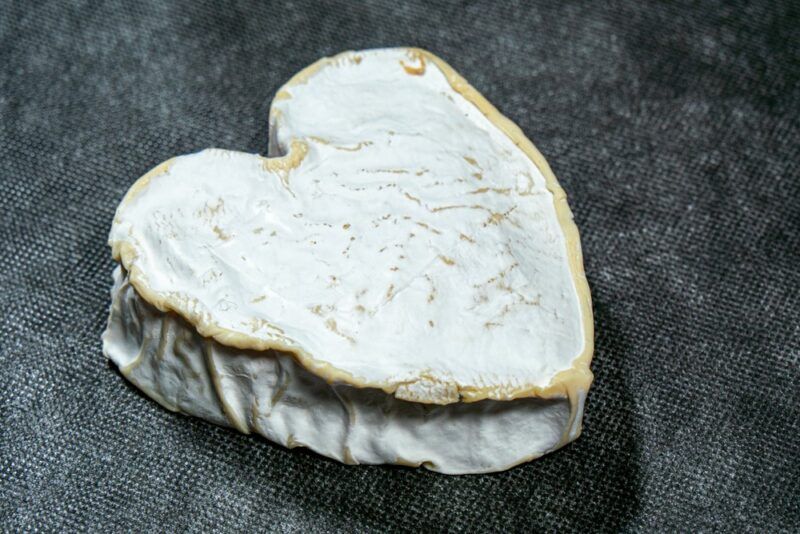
(672, 127)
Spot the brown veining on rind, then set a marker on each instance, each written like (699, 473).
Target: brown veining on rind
(410, 69)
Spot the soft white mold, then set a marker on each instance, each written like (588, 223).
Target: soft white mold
(410, 247)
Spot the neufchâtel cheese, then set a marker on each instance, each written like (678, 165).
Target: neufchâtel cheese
(399, 281)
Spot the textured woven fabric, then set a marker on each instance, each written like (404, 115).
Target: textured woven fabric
(673, 128)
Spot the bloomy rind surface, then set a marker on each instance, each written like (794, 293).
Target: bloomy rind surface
(569, 383)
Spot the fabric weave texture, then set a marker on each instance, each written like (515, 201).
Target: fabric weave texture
(674, 129)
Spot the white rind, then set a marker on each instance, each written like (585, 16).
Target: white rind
(400, 282)
(269, 393)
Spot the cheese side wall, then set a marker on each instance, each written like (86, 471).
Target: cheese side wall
(269, 393)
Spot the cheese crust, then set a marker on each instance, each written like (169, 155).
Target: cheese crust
(403, 240)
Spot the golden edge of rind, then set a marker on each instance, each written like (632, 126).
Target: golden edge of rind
(564, 384)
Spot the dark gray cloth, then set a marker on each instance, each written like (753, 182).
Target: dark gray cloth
(674, 130)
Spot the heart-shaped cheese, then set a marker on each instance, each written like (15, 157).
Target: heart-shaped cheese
(403, 246)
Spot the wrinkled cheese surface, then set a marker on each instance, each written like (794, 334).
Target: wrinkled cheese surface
(402, 242)
(271, 394)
